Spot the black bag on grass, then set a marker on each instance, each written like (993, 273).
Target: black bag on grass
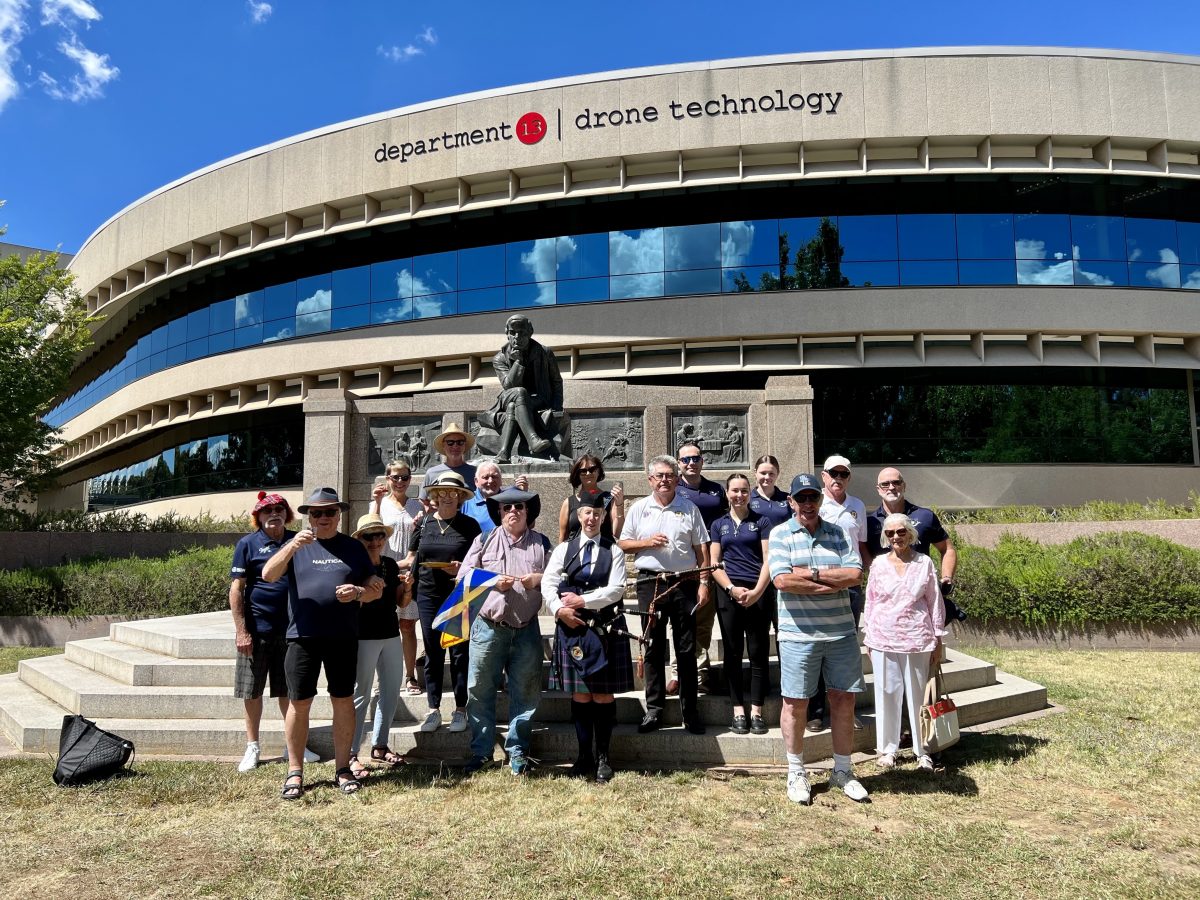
(88, 753)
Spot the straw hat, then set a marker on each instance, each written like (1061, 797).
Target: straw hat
(451, 481)
(439, 442)
(370, 522)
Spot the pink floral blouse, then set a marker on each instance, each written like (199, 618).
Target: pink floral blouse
(903, 613)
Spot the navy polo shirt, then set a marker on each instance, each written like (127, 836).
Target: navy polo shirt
(708, 496)
(741, 545)
(266, 602)
(776, 509)
(315, 571)
(929, 528)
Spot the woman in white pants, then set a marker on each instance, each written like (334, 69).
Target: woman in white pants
(905, 622)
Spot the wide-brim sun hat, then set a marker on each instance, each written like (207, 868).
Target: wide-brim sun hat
(370, 522)
(322, 496)
(439, 442)
(451, 481)
(533, 503)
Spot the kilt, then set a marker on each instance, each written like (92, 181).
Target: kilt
(614, 678)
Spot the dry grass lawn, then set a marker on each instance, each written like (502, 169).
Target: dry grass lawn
(1099, 801)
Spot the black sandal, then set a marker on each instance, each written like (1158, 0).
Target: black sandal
(293, 791)
(357, 768)
(386, 755)
(345, 781)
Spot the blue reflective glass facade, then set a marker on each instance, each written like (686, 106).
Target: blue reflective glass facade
(877, 250)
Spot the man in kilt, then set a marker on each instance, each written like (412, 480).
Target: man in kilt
(583, 586)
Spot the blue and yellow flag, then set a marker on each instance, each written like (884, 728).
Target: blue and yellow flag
(458, 612)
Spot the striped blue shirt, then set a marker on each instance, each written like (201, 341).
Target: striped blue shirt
(812, 617)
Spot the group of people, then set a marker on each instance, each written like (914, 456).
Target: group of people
(746, 555)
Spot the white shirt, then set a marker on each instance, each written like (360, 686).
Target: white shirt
(850, 516)
(679, 520)
(597, 598)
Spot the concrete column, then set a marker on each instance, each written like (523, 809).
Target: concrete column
(789, 401)
(327, 426)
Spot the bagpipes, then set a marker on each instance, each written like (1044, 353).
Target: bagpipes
(667, 580)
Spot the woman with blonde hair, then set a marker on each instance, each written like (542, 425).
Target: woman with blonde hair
(905, 622)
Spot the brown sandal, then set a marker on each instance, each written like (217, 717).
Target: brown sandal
(386, 755)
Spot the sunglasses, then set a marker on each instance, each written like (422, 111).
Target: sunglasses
(407, 477)
(518, 506)
(899, 482)
(588, 470)
(896, 533)
(688, 460)
(375, 536)
(455, 442)
(839, 474)
(327, 513)
(808, 498)
(273, 509)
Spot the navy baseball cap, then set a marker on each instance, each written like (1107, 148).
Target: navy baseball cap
(802, 484)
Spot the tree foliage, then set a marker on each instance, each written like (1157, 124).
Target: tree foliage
(43, 328)
(817, 264)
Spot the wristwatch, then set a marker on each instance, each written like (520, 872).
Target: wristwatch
(815, 573)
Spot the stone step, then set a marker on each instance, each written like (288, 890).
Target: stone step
(30, 719)
(199, 636)
(136, 666)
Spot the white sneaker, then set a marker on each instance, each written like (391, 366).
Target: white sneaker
(886, 761)
(309, 755)
(458, 721)
(798, 790)
(849, 784)
(433, 721)
(250, 760)
(925, 763)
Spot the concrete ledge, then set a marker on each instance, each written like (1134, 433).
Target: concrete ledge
(53, 631)
(1114, 636)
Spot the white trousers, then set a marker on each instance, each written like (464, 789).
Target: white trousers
(899, 679)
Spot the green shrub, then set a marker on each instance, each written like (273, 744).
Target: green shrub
(1093, 511)
(188, 581)
(1119, 577)
(75, 520)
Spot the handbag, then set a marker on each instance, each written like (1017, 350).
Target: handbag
(939, 715)
(88, 753)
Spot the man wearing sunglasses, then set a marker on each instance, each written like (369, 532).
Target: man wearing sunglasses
(488, 484)
(506, 637)
(891, 487)
(812, 564)
(453, 444)
(709, 498)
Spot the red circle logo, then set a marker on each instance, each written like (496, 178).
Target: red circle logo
(531, 128)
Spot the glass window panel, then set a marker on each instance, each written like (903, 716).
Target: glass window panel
(798, 232)
(349, 317)
(697, 281)
(1151, 241)
(522, 295)
(984, 236)
(530, 261)
(248, 336)
(625, 287)
(434, 305)
(942, 271)
(248, 309)
(871, 274)
(176, 332)
(1162, 275)
(1044, 237)
(987, 271)
(280, 301)
(313, 323)
(583, 255)
(634, 252)
(750, 243)
(435, 273)
(221, 316)
(1098, 237)
(1189, 242)
(279, 330)
(158, 339)
(481, 300)
(1190, 278)
(866, 237)
(395, 311)
(176, 355)
(1101, 273)
(391, 280)
(583, 290)
(692, 246)
(927, 237)
(197, 324)
(481, 267)
(158, 361)
(143, 369)
(352, 287)
(314, 295)
(750, 278)
(1037, 271)
(219, 343)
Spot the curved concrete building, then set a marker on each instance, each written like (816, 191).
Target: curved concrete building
(981, 263)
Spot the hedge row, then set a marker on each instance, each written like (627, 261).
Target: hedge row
(1094, 511)
(1120, 577)
(75, 520)
(188, 581)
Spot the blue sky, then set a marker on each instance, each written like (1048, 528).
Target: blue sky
(102, 101)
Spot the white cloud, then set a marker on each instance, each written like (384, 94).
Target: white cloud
(259, 11)
(416, 47)
(736, 240)
(428, 36)
(1166, 275)
(94, 73)
(1193, 280)
(1034, 268)
(12, 29)
(319, 302)
(57, 12)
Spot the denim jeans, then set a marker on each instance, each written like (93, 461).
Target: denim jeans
(496, 649)
(386, 657)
